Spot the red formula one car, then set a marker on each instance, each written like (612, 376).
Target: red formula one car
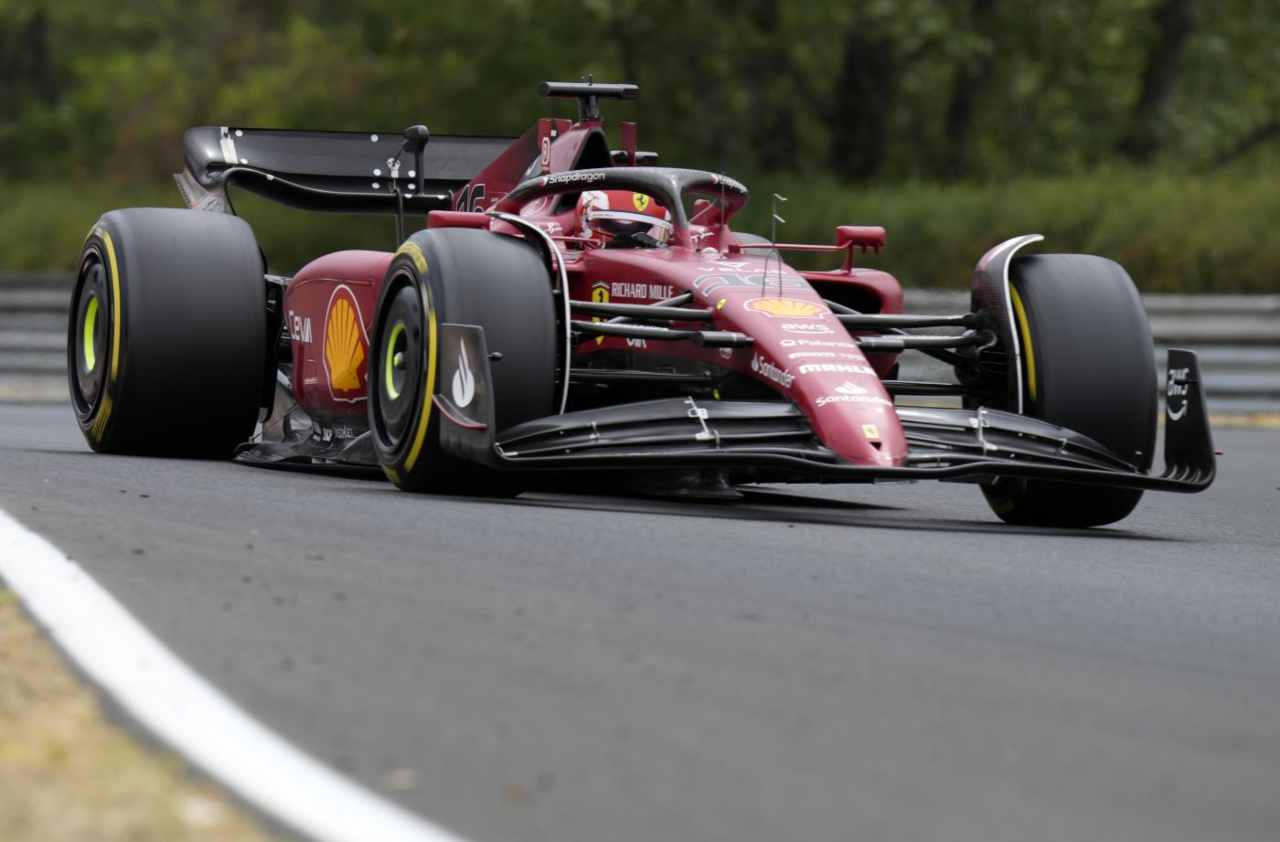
(574, 316)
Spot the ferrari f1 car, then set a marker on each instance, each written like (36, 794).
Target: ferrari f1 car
(574, 316)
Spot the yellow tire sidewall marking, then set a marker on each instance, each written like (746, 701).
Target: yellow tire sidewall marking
(429, 385)
(1024, 329)
(414, 253)
(99, 426)
(116, 304)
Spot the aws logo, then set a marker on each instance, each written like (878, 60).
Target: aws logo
(346, 347)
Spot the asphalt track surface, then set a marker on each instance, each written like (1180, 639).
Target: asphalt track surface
(840, 663)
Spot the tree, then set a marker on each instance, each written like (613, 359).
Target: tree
(1174, 23)
(972, 76)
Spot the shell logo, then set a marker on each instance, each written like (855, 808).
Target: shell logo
(785, 308)
(346, 347)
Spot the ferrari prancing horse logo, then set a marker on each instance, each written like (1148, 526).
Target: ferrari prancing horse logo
(641, 201)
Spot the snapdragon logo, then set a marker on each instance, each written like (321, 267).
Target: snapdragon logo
(574, 178)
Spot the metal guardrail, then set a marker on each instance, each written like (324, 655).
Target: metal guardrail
(33, 327)
(1237, 337)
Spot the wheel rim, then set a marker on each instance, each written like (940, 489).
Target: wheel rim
(88, 336)
(393, 371)
(89, 353)
(400, 355)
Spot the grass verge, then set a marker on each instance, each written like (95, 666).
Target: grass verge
(68, 774)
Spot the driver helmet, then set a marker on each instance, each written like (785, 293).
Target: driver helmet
(607, 214)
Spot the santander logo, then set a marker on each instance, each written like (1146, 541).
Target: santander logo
(769, 371)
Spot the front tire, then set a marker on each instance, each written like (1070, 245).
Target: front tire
(460, 276)
(1088, 365)
(166, 344)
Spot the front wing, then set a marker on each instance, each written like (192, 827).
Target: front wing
(766, 441)
(772, 441)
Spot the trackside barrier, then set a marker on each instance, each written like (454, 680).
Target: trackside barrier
(1236, 336)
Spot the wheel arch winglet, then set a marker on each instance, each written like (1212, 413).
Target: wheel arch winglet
(555, 265)
(989, 293)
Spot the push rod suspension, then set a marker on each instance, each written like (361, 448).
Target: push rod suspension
(642, 311)
(706, 338)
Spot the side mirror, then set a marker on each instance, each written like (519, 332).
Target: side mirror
(862, 237)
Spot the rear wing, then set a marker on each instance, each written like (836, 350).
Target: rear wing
(350, 172)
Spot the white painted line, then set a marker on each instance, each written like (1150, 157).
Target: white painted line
(182, 709)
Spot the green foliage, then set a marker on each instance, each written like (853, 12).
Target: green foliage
(1199, 233)
(945, 118)
(868, 89)
(1174, 233)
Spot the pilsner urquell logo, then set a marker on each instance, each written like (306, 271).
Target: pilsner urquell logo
(345, 347)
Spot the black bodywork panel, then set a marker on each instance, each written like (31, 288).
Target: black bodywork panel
(336, 171)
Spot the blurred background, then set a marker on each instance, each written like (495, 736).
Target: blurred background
(1145, 130)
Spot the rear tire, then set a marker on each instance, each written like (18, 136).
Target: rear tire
(1088, 365)
(460, 276)
(166, 344)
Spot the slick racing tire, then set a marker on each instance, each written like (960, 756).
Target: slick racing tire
(459, 276)
(1088, 365)
(166, 343)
